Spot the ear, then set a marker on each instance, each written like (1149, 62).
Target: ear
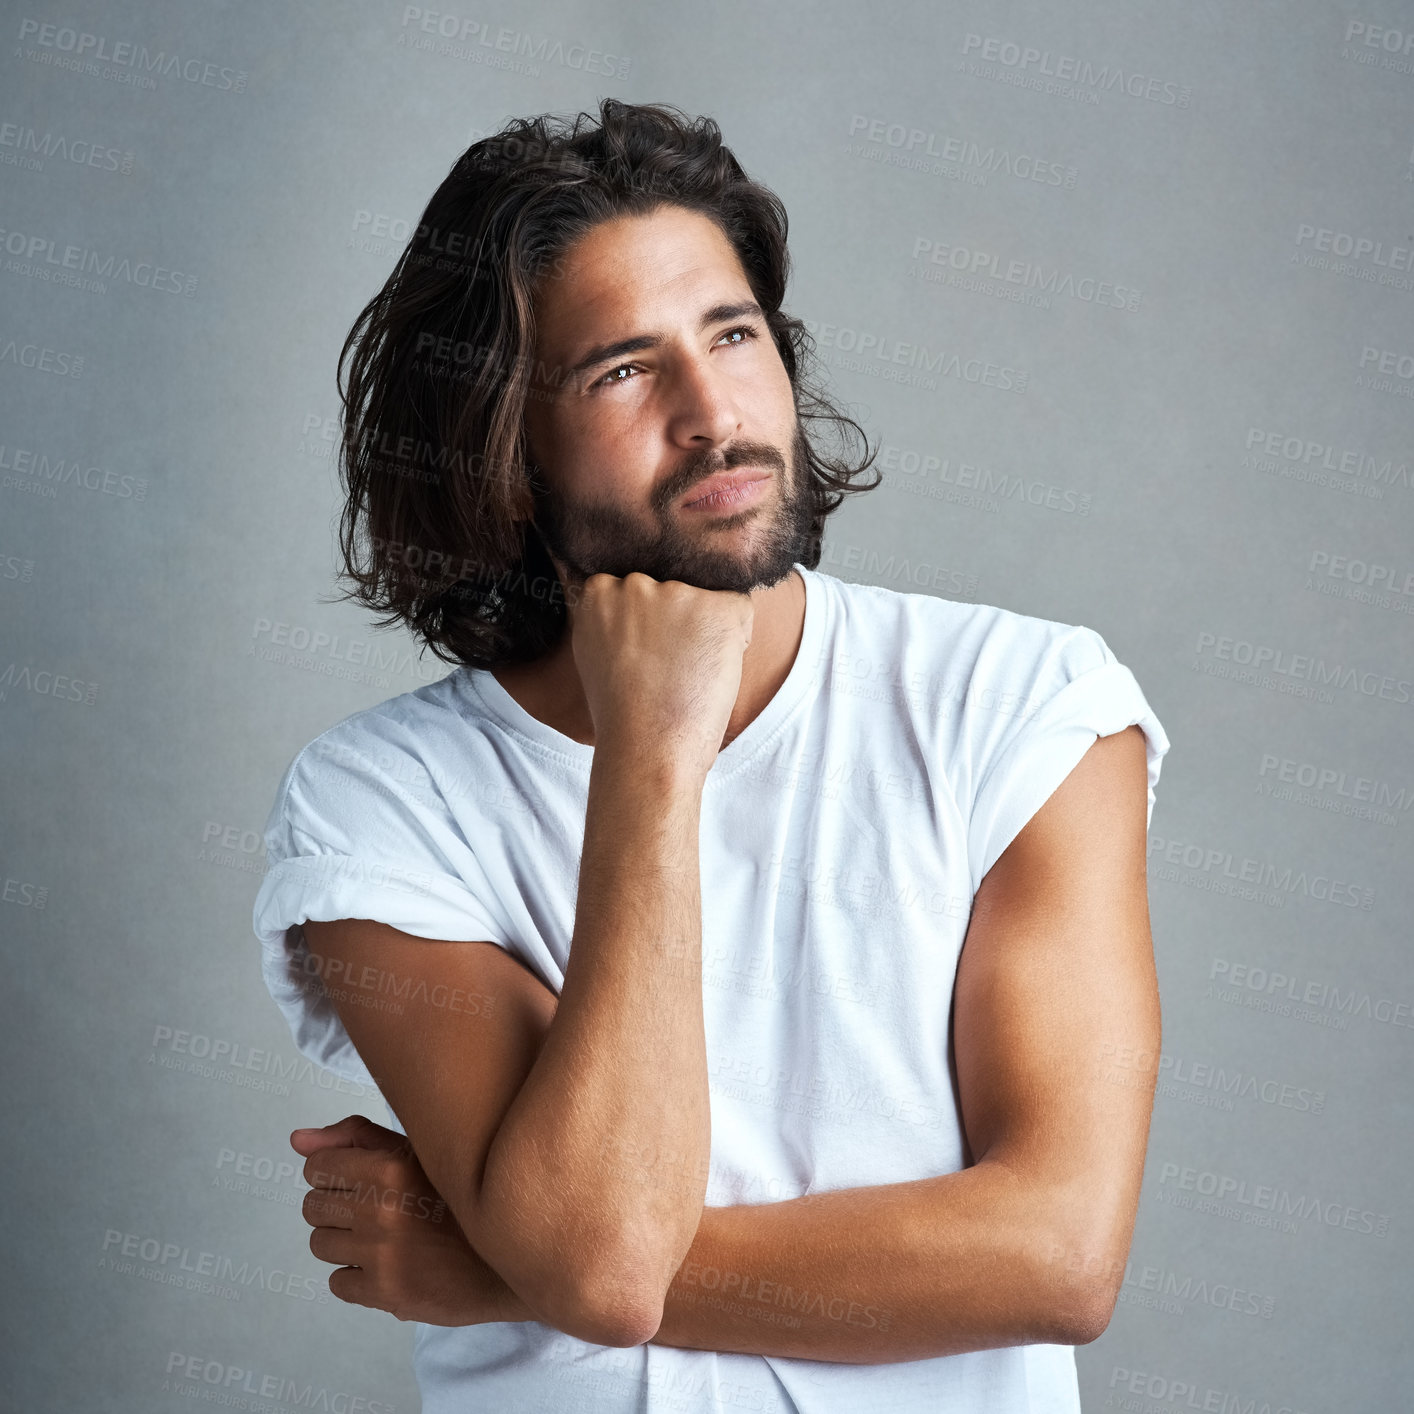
(536, 475)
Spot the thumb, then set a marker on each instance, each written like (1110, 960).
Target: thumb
(353, 1131)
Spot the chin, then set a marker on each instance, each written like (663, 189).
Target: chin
(740, 573)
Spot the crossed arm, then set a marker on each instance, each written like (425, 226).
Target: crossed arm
(1056, 1039)
(1056, 1036)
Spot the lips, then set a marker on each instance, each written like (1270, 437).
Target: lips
(725, 481)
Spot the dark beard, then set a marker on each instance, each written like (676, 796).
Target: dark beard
(595, 539)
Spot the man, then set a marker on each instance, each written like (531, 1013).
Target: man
(758, 965)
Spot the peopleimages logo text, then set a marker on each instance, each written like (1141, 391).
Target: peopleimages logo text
(1306, 666)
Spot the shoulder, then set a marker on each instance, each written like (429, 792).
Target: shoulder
(385, 753)
(1004, 703)
(977, 647)
(412, 724)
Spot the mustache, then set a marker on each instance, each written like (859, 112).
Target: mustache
(698, 466)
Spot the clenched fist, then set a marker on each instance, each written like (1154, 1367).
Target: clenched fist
(660, 663)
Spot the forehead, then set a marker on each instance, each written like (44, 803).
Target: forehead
(637, 270)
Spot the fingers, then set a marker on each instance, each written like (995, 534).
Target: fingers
(335, 1245)
(345, 1154)
(324, 1209)
(351, 1284)
(343, 1169)
(355, 1130)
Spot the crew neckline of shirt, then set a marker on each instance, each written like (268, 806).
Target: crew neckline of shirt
(505, 710)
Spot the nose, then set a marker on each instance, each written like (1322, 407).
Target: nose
(704, 411)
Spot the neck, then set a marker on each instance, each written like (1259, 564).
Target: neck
(549, 688)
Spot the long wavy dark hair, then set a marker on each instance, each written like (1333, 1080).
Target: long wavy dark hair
(439, 369)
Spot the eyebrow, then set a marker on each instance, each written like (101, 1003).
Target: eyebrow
(718, 314)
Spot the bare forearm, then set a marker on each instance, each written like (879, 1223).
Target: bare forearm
(902, 1271)
(619, 1088)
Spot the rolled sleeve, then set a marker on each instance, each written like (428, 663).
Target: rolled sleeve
(347, 840)
(1049, 742)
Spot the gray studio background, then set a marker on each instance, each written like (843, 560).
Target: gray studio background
(1181, 238)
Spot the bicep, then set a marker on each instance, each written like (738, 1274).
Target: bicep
(1056, 1006)
(448, 1030)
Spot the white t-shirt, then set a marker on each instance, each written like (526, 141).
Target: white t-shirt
(843, 836)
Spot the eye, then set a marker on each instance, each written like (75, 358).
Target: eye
(611, 377)
(744, 329)
(741, 328)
